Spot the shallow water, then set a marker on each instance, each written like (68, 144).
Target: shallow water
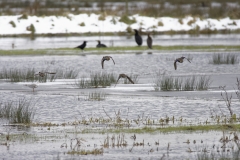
(61, 102)
(162, 40)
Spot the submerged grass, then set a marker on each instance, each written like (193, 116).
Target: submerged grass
(225, 59)
(21, 111)
(71, 51)
(170, 83)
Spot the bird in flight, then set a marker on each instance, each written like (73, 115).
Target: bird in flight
(106, 58)
(149, 41)
(82, 46)
(100, 45)
(43, 74)
(124, 76)
(138, 38)
(180, 60)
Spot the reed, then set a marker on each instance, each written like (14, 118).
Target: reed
(224, 59)
(96, 96)
(21, 111)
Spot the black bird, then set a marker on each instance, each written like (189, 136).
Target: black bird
(100, 45)
(138, 38)
(124, 76)
(106, 58)
(149, 41)
(180, 60)
(82, 46)
(43, 74)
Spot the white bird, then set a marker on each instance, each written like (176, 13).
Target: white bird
(33, 86)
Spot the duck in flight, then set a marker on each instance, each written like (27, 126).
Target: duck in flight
(180, 60)
(124, 76)
(100, 45)
(43, 74)
(106, 58)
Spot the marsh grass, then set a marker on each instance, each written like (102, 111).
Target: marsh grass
(68, 73)
(95, 151)
(18, 75)
(96, 96)
(170, 83)
(22, 111)
(224, 58)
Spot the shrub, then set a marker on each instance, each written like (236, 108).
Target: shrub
(160, 23)
(82, 24)
(127, 20)
(13, 24)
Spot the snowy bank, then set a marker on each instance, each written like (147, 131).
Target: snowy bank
(84, 23)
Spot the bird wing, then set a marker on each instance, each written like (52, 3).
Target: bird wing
(188, 60)
(102, 62)
(118, 79)
(112, 60)
(130, 80)
(175, 64)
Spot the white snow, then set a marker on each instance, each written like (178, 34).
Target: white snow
(71, 24)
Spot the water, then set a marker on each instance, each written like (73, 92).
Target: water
(162, 40)
(61, 102)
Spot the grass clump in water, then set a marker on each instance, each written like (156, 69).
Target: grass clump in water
(96, 96)
(169, 83)
(225, 58)
(21, 111)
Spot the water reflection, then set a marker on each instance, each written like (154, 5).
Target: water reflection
(163, 40)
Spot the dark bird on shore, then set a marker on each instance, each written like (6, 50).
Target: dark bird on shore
(180, 60)
(82, 46)
(100, 45)
(106, 58)
(124, 76)
(43, 74)
(149, 41)
(138, 38)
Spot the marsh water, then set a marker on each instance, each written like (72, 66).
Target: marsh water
(61, 102)
(162, 40)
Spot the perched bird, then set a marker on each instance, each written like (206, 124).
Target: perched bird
(124, 76)
(43, 74)
(180, 60)
(107, 58)
(82, 46)
(149, 41)
(100, 45)
(31, 86)
(138, 38)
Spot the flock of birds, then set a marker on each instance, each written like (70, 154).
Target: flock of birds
(139, 42)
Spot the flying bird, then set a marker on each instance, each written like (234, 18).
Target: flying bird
(33, 86)
(138, 38)
(82, 46)
(43, 74)
(180, 60)
(100, 45)
(106, 58)
(124, 76)
(149, 41)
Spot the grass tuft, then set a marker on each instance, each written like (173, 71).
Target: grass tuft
(18, 112)
(225, 58)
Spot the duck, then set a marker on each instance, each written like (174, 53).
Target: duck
(106, 58)
(124, 76)
(180, 60)
(100, 45)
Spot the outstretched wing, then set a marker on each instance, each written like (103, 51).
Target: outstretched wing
(118, 79)
(112, 60)
(175, 64)
(102, 62)
(188, 60)
(130, 80)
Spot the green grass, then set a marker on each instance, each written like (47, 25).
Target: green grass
(71, 51)
(21, 111)
(225, 58)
